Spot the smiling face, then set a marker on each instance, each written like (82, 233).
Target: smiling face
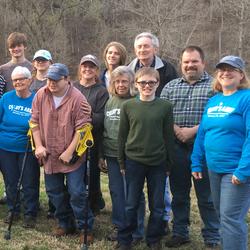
(122, 85)
(192, 66)
(147, 85)
(41, 64)
(58, 88)
(21, 83)
(113, 57)
(89, 72)
(145, 50)
(17, 51)
(229, 77)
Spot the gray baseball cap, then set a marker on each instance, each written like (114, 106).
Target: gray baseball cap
(233, 61)
(90, 58)
(56, 71)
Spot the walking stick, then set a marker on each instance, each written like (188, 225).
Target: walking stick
(7, 235)
(89, 144)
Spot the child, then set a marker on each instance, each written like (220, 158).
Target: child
(144, 151)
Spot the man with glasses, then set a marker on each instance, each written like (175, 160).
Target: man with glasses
(189, 95)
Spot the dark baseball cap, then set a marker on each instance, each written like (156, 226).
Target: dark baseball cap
(233, 61)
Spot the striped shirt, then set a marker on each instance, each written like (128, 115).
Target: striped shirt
(2, 85)
(188, 99)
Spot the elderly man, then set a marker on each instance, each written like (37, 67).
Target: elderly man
(189, 94)
(146, 46)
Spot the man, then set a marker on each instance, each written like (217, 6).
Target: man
(17, 44)
(146, 46)
(189, 95)
(58, 112)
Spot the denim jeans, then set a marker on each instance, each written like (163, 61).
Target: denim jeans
(11, 165)
(180, 185)
(116, 187)
(232, 203)
(136, 173)
(69, 198)
(167, 201)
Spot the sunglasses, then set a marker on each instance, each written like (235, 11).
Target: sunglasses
(144, 83)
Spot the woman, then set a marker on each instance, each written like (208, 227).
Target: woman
(223, 141)
(121, 88)
(41, 62)
(145, 142)
(114, 55)
(97, 97)
(15, 112)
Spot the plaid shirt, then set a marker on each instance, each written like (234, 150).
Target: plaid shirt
(2, 85)
(188, 99)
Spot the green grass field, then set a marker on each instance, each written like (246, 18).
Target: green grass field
(40, 238)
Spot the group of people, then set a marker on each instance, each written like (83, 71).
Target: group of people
(148, 123)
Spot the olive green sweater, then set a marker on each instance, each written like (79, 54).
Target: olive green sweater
(146, 132)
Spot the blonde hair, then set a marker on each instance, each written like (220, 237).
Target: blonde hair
(244, 82)
(147, 71)
(121, 49)
(122, 71)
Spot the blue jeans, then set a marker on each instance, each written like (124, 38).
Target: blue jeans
(156, 179)
(11, 165)
(180, 185)
(167, 201)
(232, 203)
(69, 198)
(116, 187)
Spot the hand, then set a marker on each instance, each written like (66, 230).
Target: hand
(122, 171)
(235, 180)
(86, 108)
(41, 154)
(185, 134)
(65, 157)
(197, 175)
(102, 164)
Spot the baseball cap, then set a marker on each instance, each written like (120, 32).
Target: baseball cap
(56, 71)
(44, 54)
(90, 58)
(233, 61)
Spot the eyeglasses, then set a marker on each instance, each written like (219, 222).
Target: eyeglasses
(19, 79)
(150, 83)
(41, 59)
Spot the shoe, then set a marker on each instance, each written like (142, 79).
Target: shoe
(123, 247)
(209, 246)
(155, 246)
(3, 200)
(101, 202)
(113, 235)
(29, 221)
(166, 228)
(59, 231)
(177, 241)
(16, 217)
(90, 238)
(50, 215)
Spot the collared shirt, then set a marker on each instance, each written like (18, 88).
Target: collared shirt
(139, 65)
(188, 99)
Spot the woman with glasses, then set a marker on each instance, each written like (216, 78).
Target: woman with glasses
(145, 141)
(223, 141)
(15, 112)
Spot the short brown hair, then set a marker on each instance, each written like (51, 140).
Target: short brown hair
(16, 38)
(147, 71)
(192, 48)
(121, 49)
(244, 83)
(122, 71)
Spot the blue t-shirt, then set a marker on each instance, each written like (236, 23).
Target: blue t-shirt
(223, 137)
(15, 113)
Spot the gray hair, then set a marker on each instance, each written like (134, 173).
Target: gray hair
(22, 71)
(154, 39)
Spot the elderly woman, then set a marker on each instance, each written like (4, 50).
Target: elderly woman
(15, 112)
(114, 55)
(223, 141)
(97, 97)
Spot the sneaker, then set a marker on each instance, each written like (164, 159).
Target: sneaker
(123, 247)
(29, 221)
(155, 246)
(176, 241)
(3, 200)
(50, 215)
(16, 217)
(59, 231)
(136, 241)
(113, 235)
(90, 238)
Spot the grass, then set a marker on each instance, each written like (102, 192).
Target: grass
(40, 238)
